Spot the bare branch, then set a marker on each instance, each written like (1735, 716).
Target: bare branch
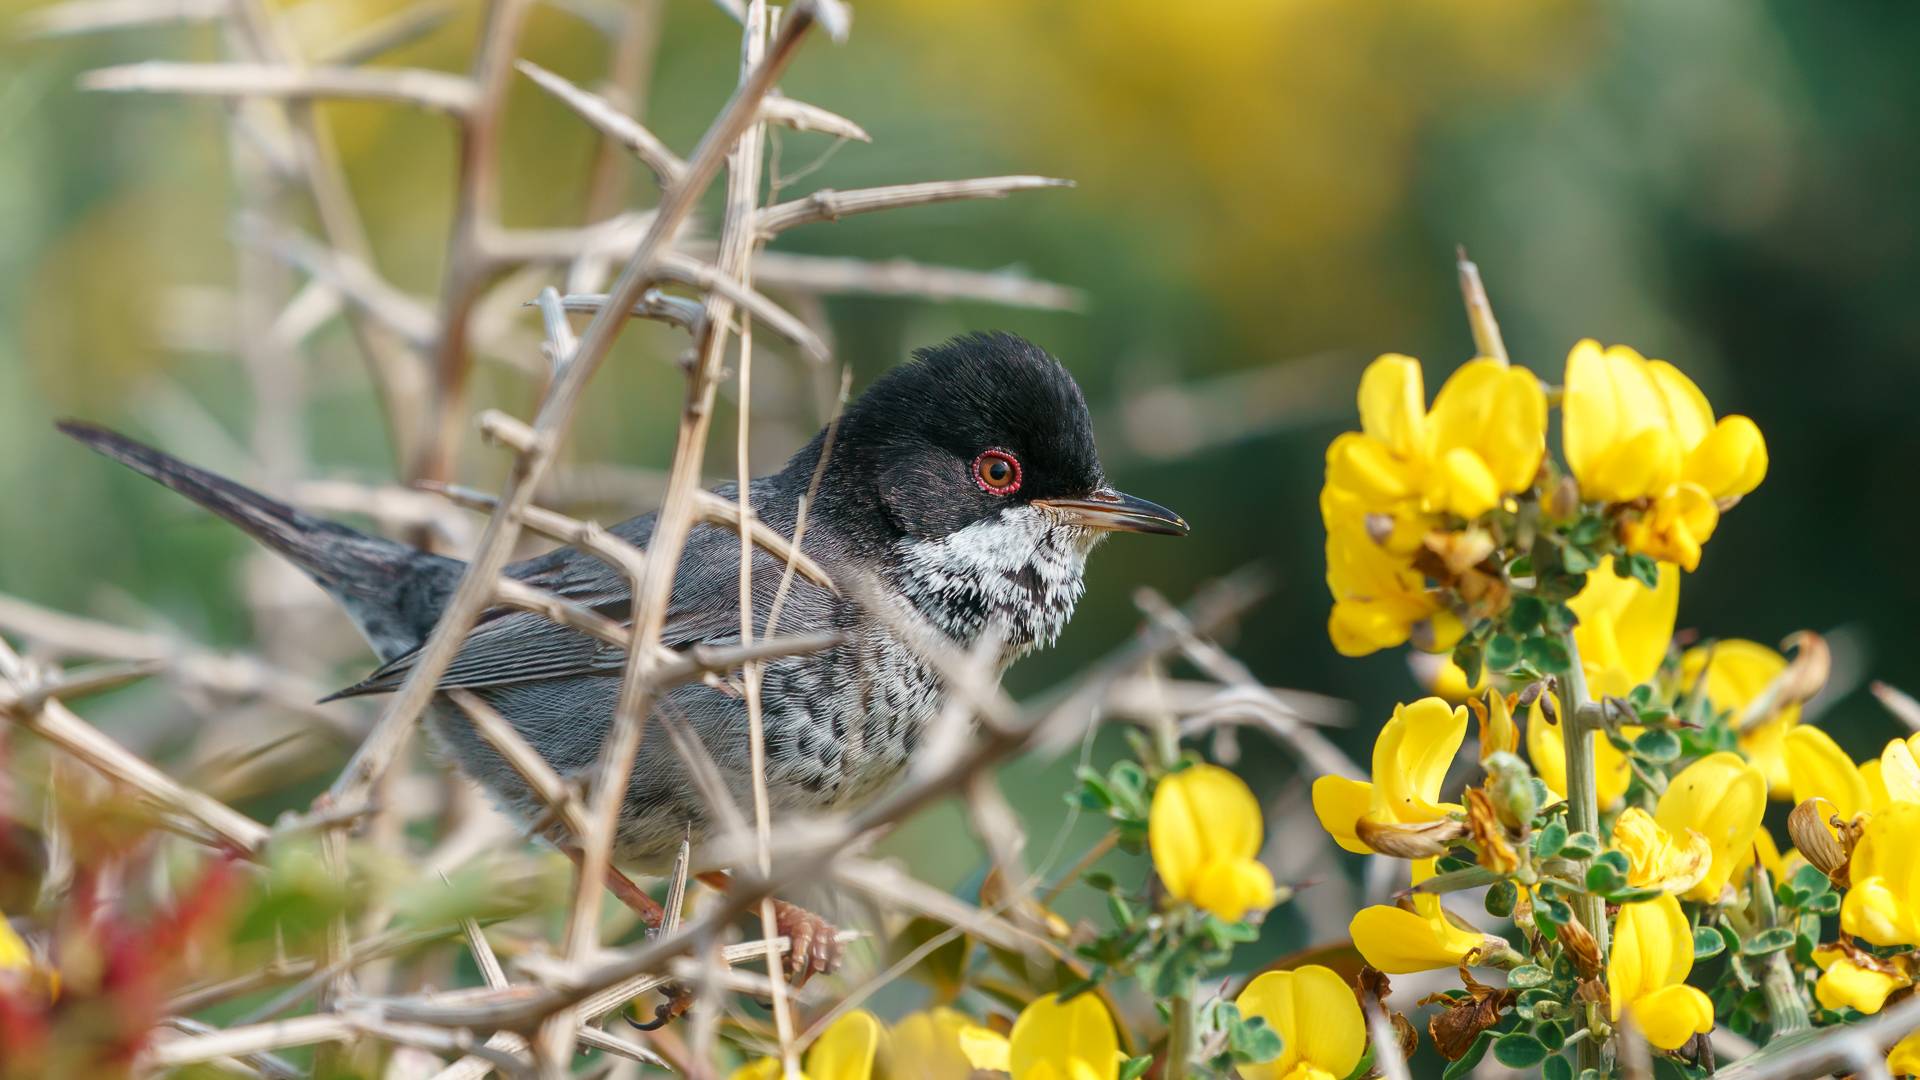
(830, 205)
(1899, 703)
(428, 89)
(800, 116)
(609, 121)
(904, 277)
(354, 278)
(564, 612)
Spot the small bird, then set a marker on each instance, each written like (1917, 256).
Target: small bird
(963, 484)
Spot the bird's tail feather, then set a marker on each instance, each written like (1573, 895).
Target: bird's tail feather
(389, 589)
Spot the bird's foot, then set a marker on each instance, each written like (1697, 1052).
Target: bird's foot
(623, 888)
(814, 943)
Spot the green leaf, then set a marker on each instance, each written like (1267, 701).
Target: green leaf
(1471, 1059)
(1602, 878)
(1466, 656)
(1581, 845)
(1526, 614)
(1133, 1068)
(1518, 1050)
(1549, 840)
(1642, 568)
(1634, 895)
(1521, 567)
(1251, 1041)
(1501, 898)
(1503, 652)
(1556, 1068)
(1589, 528)
(1528, 977)
(1767, 941)
(1547, 654)
(1658, 746)
(1098, 879)
(1121, 912)
(1811, 881)
(1579, 560)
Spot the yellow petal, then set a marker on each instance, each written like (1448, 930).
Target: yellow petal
(1199, 816)
(1393, 404)
(1625, 627)
(1590, 417)
(1904, 1058)
(765, 1068)
(1378, 596)
(1646, 464)
(1398, 941)
(1731, 460)
(1339, 803)
(1652, 950)
(1899, 773)
(1657, 858)
(1232, 887)
(1722, 798)
(1846, 985)
(1462, 484)
(926, 1046)
(1881, 905)
(985, 1049)
(846, 1050)
(14, 954)
(1411, 758)
(1877, 797)
(1669, 1017)
(1369, 468)
(1070, 1038)
(1818, 768)
(1318, 1020)
(1689, 416)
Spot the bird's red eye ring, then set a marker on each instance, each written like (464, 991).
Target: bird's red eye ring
(997, 473)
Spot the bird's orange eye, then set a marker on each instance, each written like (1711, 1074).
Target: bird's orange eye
(996, 473)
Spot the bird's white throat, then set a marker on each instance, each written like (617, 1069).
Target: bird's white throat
(1022, 568)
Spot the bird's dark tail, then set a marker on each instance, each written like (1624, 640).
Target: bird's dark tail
(394, 593)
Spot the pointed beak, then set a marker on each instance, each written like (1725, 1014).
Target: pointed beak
(1110, 509)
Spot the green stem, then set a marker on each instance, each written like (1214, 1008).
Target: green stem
(1179, 1038)
(1583, 808)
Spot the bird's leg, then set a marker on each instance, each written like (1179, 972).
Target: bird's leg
(815, 941)
(622, 886)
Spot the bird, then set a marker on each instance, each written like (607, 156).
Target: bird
(963, 486)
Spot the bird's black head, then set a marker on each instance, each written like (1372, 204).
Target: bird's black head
(971, 429)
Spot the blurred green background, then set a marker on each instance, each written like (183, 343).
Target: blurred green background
(1269, 194)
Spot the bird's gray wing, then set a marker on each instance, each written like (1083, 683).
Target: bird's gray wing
(517, 646)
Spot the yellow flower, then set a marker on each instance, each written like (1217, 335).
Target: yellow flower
(1321, 1028)
(1819, 769)
(1410, 760)
(1498, 734)
(1483, 440)
(1883, 905)
(1904, 1058)
(926, 1046)
(1639, 429)
(1050, 1041)
(1737, 671)
(1379, 598)
(1547, 748)
(1398, 941)
(1624, 628)
(14, 954)
(1722, 798)
(1652, 954)
(1863, 986)
(1657, 858)
(1898, 773)
(1204, 829)
(849, 1050)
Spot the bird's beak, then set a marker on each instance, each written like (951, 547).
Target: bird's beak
(1110, 509)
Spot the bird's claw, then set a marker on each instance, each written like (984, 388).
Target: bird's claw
(815, 942)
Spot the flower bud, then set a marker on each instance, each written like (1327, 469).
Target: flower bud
(1423, 841)
(1564, 500)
